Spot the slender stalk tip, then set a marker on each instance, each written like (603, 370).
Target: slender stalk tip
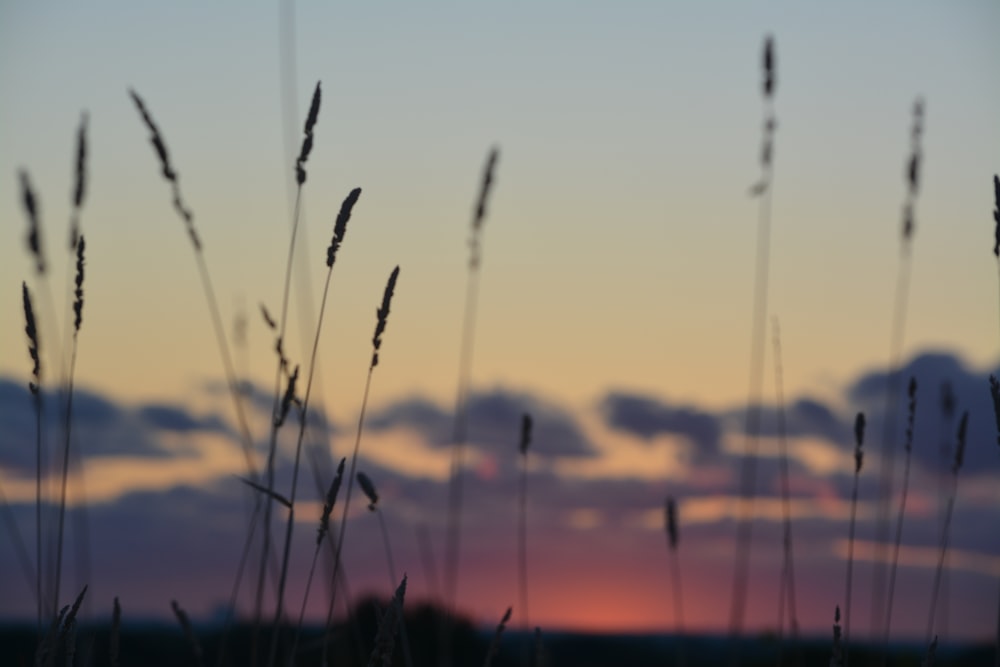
(80, 184)
(383, 315)
(307, 143)
(155, 138)
(313, 110)
(479, 215)
(769, 67)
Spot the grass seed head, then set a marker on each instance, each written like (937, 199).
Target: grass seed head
(960, 444)
(911, 412)
(340, 226)
(368, 487)
(80, 184)
(526, 424)
(837, 656)
(155, 138)
(31, 209)
(31, 329)
(383, 315)
(671, 519)
(331, 500)
(495, 642)
(385, 636)
(480, 211)
(268, 320)
(996, 215)
(859, 440)
(288, 398)
(78, 301)
(769, 67)
(307, 142)
(80, 187)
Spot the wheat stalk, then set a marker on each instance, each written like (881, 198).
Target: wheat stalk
(963, 425)
(744, 536)
(67, 426)
(368, 488)
(859, 457)
(300, 178)
(497, 635)
(339, 230)
(887, 458)
(382, 315)
(911, 414)
(187, 217)
(672, 533)
(114, 648)
(185, 623)
(787, 588)
(995, 396)
(31, 330)
(996, 219)
(837, 654)
(522, 532)
(459, 433)
(385, 636)
(324, 526)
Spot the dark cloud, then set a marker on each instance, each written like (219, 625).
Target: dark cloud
(186, 542)
(494, 422)
(934, 431)
(647, 417)
(174, 418)
(101, 428)
(805, 417)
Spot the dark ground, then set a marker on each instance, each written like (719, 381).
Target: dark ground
(164, 645)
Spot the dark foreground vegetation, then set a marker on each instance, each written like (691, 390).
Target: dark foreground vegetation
(163, 644)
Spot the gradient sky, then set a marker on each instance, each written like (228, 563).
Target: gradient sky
(618, 263)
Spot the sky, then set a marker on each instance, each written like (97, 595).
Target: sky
(615, 297)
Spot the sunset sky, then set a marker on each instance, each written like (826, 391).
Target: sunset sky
(616, 288)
